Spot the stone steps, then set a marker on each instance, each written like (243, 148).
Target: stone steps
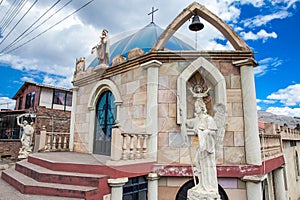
(27, 185)
(42, 174)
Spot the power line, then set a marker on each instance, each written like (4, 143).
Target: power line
(14, 14)
(11, 44)
(8, 11)
(18, 22)
(51, 26)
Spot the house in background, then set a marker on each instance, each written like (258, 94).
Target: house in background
(46, 105)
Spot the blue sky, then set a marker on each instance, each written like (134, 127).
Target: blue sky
(268, 27)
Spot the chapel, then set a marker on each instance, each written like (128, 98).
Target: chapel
(155, 118)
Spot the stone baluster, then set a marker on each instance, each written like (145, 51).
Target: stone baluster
(48, 142)
(144, 148)
(65, 142)
(124, 147)
(131, 147)
(54, 142)
(139, 147)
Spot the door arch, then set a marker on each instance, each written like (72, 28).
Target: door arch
(182, 192)
(105, 119)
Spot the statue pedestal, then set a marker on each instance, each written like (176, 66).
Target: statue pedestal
(197, 194)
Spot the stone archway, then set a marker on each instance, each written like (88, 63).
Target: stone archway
(97, 90)
(186, 14)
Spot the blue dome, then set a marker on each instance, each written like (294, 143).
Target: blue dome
(143, 39)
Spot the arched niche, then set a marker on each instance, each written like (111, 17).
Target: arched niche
(204, 13)
(211, 74)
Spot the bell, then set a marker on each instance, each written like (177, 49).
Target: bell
(196, 25)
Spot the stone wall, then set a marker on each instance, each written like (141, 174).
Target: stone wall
(170, 186)
(170, 140)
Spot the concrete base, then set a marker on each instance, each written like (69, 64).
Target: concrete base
(196, 194)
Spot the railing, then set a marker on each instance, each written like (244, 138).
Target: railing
(288, 133)
(271, 146)
(54, 141)
(133, 145)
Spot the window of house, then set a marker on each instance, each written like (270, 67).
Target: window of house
(69, 99)
(135, 189)
(29, 103)
(62, 98)
(59, 97)
(20, 103)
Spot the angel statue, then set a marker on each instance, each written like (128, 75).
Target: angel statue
(102, 48)
(210, 131)
(26, 139)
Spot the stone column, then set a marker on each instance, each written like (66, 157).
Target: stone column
(252, 143)
(73, 114)
(254, 186)
(117, 187)
(152, 106)
(153, 186)
(92, 112)
(279, 184)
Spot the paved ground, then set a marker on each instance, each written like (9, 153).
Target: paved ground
(7, 192)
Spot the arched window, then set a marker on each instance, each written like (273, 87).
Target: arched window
(105, 119)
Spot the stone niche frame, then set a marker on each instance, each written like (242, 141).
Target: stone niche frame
(98, 89)
(211, 74)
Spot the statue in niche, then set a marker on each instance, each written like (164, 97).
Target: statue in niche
(26, 138)
(103, 48)
(210, 130)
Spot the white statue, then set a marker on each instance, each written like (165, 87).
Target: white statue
(103, 48)
(210, 131)
(26, 138)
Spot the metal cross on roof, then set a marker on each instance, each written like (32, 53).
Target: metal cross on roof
(152, 13)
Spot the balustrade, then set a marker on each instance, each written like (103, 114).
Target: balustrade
(134, 146)
(54, 141)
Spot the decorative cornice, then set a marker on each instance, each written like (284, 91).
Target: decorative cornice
(246, 62)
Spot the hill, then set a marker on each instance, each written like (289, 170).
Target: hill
(278, 119)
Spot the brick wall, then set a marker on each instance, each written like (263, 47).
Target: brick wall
(54, 120)
(10, 147)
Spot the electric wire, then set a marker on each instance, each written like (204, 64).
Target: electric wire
(7, 13)
(14, 14)
(11, 44)
(18, 22)
(51, 26)
(24, 36)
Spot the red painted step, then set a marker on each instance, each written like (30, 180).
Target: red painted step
(27, 185)
(42, 174)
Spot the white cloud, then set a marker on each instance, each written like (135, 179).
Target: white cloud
(261, 20)
(287, 111)
(262, 34)
(266, 65)
(289, 96)
(265, 101)
(7, 103)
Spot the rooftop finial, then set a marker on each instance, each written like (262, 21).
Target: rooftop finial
(152, 13)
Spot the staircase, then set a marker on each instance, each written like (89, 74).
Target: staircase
(30, 178)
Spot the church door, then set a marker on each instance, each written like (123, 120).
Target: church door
(105, 119)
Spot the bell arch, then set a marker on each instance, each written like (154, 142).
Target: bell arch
(211, 73)
(204, 13)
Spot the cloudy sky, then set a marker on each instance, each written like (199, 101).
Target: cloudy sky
(42, 39)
